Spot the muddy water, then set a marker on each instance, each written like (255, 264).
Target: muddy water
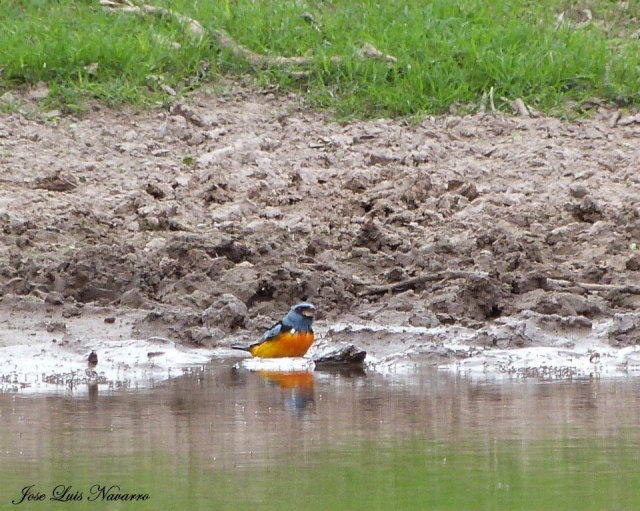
(220, 438)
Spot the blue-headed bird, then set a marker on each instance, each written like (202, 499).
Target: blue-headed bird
(290, 337)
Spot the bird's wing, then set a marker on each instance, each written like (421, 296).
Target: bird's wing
(271, 334)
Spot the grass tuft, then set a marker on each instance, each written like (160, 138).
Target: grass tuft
(448, 52)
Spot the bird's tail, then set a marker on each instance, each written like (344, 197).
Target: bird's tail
(241, 347)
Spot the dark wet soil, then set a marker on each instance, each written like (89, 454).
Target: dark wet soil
(212, 217)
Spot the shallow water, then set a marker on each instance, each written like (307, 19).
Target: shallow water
(222, 438)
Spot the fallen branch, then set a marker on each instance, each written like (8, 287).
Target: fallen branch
(192, 25)
(224, 40)
(422, 279)
(552, 284)
(257, 59)
(559, 284)
(260, 60)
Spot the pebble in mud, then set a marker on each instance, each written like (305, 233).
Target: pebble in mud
(54, 299)
(633, 263)
(578, 191)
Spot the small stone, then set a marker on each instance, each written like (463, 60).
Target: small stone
(40, 91)
(196, 139)
(131, 298)
(633, 263)
(110, 320)
(356, 184)
(346, 354)
(23, 241)
(424, 319)
(578, 191)
(54, 299)
(56, 326)
(58, 181)
(589, 210)
(130, 136)
(155, 191)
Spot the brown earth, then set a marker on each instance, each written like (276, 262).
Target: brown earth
(213, 217)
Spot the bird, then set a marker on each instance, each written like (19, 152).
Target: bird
(289, 337)
(92, 360)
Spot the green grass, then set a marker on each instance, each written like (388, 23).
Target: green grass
(448, 52)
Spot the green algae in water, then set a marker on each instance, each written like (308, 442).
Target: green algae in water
(575, 474)
(567, 474)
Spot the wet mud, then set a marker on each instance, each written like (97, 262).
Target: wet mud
(203, 222)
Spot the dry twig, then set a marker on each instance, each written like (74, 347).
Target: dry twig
(551, 284)
(561, 284)
(422, 279)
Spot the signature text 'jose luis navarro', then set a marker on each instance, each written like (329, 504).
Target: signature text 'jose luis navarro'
(63, 493)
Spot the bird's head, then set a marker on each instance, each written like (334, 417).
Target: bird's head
(305, 309)
(301, 316)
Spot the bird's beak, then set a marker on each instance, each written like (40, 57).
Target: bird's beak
(309, 312)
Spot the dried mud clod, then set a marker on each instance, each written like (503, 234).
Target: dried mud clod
(625, 330)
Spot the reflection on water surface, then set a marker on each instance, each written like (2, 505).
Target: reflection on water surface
(223, 438)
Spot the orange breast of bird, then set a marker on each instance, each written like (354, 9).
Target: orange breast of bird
(285, 344)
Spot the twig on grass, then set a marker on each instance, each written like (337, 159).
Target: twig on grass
(367, 51)
(192, 25)
(257, 59)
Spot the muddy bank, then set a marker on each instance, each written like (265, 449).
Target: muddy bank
(46, 348)
(209, 219)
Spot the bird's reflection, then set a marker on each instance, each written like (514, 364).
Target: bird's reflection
(298, 388)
